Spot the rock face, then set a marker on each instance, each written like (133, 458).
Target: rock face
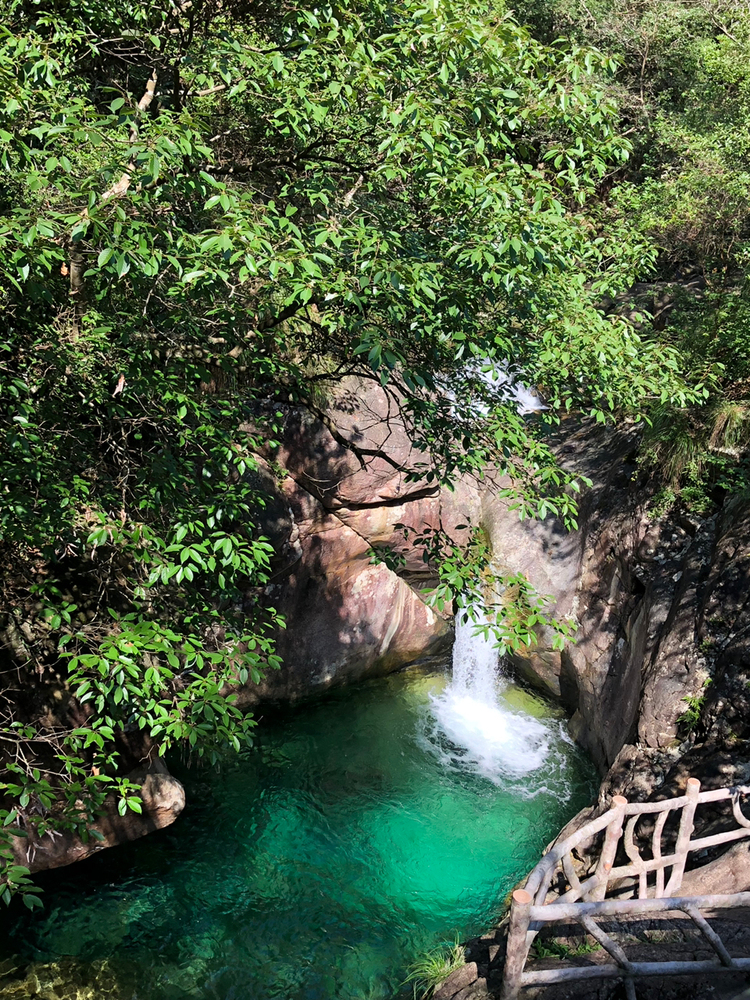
(661, 606)
(660, 603)
(349, 614)
(163, 799)
(464, 984)
(590, 573)
(663, 654)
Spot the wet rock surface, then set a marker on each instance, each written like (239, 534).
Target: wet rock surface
(69, 979)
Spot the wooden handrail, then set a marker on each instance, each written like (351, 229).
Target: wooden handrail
(554, 912)
(585, 901)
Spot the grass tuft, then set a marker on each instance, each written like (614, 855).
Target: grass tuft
(433, 968)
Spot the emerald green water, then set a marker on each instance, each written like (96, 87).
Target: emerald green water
(349, 842)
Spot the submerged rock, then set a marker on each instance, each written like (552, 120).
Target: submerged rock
(69, 979)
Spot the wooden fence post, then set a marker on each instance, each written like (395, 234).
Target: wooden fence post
(516, 950)
(692, 791)
(609, 848)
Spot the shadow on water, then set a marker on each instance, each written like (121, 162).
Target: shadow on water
(317, 867)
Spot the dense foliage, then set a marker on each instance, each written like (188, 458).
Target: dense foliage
(211, 211)
(683, 86)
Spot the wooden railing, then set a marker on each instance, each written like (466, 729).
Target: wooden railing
(585, 900)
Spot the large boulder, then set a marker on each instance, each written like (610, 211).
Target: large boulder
(350, 578)
(349, 616)
(162, 798)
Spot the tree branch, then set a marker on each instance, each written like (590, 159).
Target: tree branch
(358, 451)
(120, 187)
(269, 321)
(353, 190)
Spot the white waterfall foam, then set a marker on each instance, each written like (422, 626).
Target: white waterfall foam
(506, 385)
(475, 662)
(482, 732)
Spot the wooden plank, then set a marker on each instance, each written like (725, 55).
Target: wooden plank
(643, 808)
(637, 864)
(547, 865)
(717, 794)
(653, 864)
(570, 874)
(584, 889)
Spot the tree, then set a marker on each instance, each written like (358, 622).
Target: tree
(684, 87)
(211, 210)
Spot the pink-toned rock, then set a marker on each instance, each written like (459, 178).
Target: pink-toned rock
(450, 511)
(726, 875)
(361, 412)
(349, 616)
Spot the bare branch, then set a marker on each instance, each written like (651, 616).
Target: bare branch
(120, 187)
(358, 451)
(350, 194)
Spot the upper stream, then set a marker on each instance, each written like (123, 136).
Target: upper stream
(363, 830)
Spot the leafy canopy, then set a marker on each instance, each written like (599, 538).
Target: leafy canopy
(683, 85)
(211, 211)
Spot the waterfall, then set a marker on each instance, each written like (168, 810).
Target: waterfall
(483, 732)
(475, 662)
